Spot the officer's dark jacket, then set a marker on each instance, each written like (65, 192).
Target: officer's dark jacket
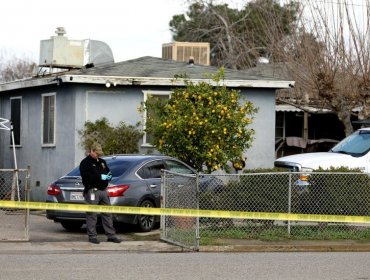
(91, 170)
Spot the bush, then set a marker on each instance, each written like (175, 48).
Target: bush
(338, 193)
(122, 139)
(251, 192)
(335, 192)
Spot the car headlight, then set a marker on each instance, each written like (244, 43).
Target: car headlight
(306, 169)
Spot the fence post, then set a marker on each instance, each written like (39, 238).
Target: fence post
(27, 190)
(197, 237)
(289, 201)
(163, 226)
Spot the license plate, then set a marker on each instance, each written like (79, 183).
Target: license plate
(76, 196)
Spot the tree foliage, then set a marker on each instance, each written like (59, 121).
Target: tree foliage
(122, 139)
(328, 57)
(237, 37)
(14, 68)
(203, 124)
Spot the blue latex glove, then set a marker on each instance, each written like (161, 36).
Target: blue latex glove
(106, 177)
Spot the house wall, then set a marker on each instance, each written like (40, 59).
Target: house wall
(77, 103)
(46, 163)
(93, 103)
(262, 152)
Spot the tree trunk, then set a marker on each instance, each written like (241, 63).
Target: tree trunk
(345, 117)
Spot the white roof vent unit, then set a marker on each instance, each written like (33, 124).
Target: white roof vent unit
(60, 52)
(182, 51)
(262, 60)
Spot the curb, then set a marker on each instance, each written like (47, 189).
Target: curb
(14, 247)
(286, 248)
(291, 246)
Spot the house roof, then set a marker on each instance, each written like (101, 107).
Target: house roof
(150, 71)
(274, 70)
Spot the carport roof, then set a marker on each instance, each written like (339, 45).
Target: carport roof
(291, 108)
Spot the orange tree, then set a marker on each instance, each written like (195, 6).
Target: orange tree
(204, 124)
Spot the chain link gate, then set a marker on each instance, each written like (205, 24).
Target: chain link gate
(14, 223)
(325, 193)
(180, 191)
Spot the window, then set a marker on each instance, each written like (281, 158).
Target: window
(160, 95)
(48, 119)
(151, 170)
(178, 167)
(15, 117)
(279, 126)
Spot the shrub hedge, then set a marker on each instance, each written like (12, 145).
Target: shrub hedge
(331, 192)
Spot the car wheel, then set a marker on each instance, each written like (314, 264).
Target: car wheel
(146, 223)
(72, 226)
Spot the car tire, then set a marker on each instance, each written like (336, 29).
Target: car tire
(72, 226)
(146, 223)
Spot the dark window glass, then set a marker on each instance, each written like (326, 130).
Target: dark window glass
(48, 119)
(144, 172)
(117, 167)
(151, 170)
(178, 167)
(15, 117)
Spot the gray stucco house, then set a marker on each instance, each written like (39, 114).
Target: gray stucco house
(48, 111)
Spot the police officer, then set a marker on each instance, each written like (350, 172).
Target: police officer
(95, 177)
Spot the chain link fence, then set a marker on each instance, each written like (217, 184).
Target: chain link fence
(325, 193)
(14, 223)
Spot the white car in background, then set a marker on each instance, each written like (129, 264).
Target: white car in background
(352, 152)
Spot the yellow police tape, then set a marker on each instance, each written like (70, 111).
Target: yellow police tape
(185, 212)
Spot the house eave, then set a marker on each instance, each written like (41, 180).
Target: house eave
(139, 81)
(27, 83)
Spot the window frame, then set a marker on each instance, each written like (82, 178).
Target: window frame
(43, 142)
(154, 93)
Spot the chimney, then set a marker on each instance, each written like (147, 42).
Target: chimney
(60, 31)
(191, 60)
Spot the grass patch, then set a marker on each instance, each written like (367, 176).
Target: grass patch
(217, 235)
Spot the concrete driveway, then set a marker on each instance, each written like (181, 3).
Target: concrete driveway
(46, 235)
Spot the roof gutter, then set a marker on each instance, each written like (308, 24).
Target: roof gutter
(142, 81)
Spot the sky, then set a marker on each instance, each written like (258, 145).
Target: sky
(132, 28)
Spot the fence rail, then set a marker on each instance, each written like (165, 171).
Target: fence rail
(14, 223)
(325, 193)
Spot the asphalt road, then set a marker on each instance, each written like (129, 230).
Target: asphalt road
(53, 253)
(233, 266)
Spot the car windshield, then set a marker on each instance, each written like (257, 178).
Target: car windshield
(357, 144)
(116, 166)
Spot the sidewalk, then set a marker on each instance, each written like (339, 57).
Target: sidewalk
(125, 246)
(47, 236)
